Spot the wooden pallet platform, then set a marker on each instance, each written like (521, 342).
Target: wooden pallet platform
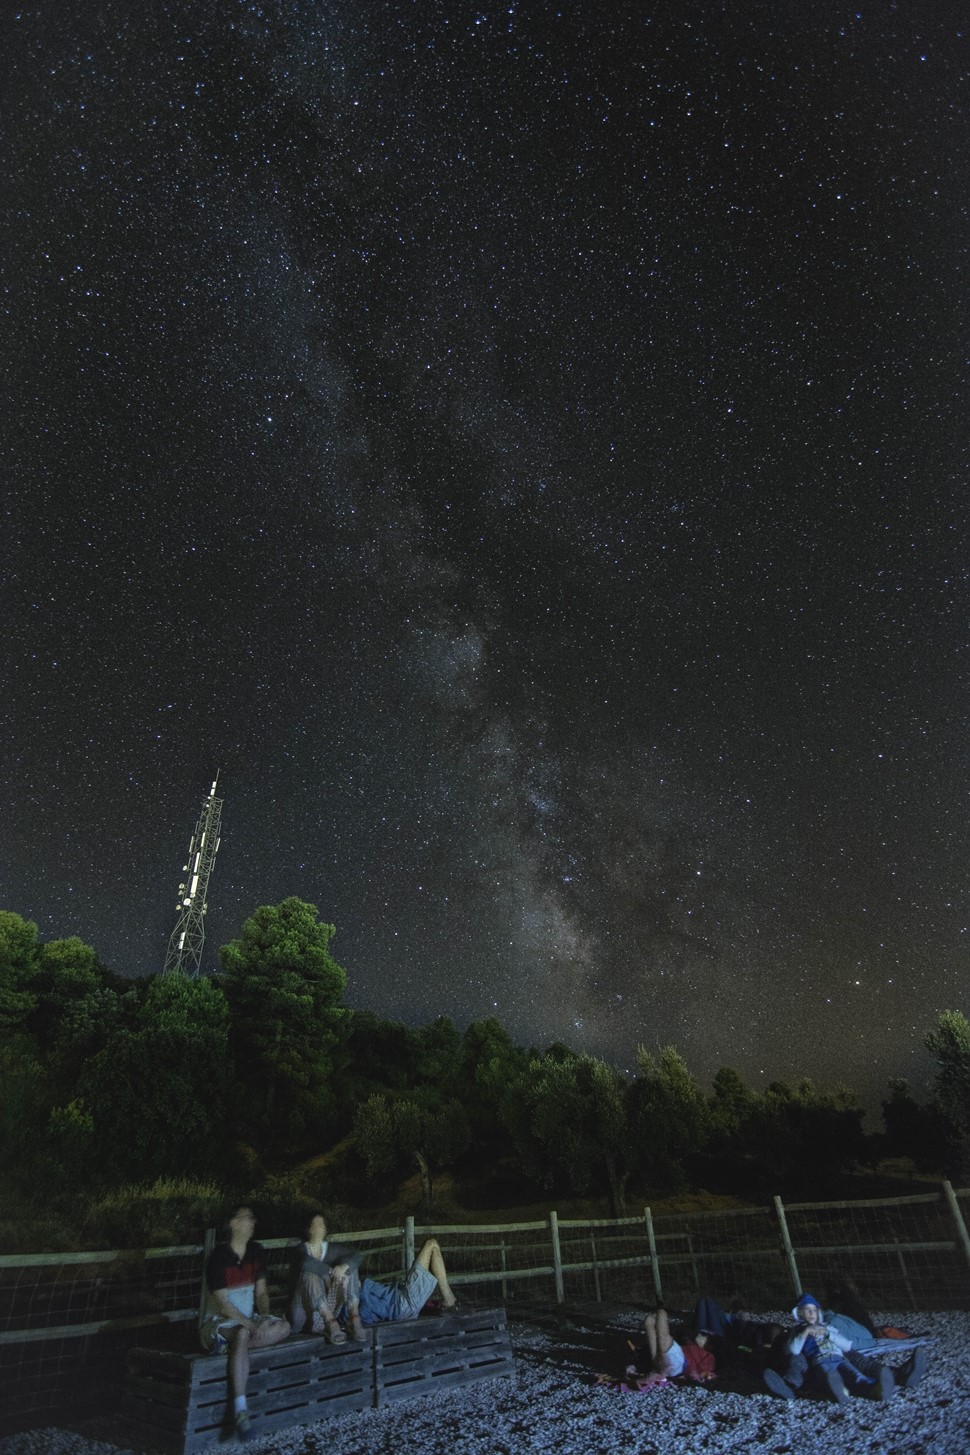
(429, 1354)
(178, 1403)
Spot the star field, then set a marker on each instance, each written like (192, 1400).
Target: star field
(524, 448)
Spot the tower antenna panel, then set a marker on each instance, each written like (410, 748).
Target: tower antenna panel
(185, 944)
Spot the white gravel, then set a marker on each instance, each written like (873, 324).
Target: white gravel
(552, 1406)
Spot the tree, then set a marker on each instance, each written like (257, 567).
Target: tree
(949, 1044)
(490, 1066)
(390, 1135)
(78, 1006)
(18, 969)
(568, 1115)
(283, 988)
(440, 1057)
(24, 1109)
(54, 1013)
(670, 1116)
(376, 1055)
(727, 1161)
(914, 1131)
(375, 1137)
(731, 1104)
(157, 1094)
(433, 1136)
(806, 1138)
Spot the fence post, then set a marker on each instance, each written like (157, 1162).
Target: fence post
(793, 1273)
(654, 1260)
(596, 1272)
(408, 1244)
(693, 1266)
(208, 1244)
(556, 1256)
(951, 1198)
(905, 1274)
(505, 1264)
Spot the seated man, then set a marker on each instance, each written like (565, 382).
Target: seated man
(821, 1352)
(382, 1303)
(237, 1316)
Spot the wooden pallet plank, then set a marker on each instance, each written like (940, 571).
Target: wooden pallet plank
(415, 1371)
(447, 1379)
(480, 1339)
(267, 1375)
(434, 1330)
(405, 1353)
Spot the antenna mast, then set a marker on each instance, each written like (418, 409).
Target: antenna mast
(185, 946)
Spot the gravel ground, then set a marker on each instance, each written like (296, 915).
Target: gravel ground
(553, 1406)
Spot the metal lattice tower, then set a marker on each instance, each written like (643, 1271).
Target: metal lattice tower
(188, 937)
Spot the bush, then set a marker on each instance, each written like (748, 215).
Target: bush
(285, 1202)
(166, 1214)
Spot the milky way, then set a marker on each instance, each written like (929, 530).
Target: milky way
(524, 449)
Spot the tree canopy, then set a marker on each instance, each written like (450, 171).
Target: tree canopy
(110, 1080)
(283, 988)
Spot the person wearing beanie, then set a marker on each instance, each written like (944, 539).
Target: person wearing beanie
(819, 1354)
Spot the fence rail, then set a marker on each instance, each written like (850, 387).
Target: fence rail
(67, 1319)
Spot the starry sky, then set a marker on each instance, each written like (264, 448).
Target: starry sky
(523, 446)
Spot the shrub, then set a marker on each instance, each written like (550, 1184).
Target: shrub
(166, 1214)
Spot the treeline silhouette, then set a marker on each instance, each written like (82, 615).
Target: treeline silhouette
(245, 1076)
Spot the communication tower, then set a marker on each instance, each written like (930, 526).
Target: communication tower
(188, 937)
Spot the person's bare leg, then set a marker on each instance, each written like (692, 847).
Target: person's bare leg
(347, 1283)
(431, 1258)
(267, 1332)
(650, 1329)
(239, 1339)
(659, 1338)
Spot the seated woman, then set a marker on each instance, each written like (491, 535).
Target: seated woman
(382, 1303)
(326, 1282)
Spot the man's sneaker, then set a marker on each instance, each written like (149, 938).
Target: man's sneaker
(836, 1385)
(885, 1384)
(243, 1426)
(777, 1385)
(914, 1369)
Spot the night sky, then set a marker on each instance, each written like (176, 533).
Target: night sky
(524, 448)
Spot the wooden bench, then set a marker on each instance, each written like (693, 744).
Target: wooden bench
(179, 1403)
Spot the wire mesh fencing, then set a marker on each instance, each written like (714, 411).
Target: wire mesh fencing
(901, 1253)
(67, 1320)
(735, 1256)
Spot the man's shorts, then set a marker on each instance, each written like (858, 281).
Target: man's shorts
(415, 1291)
(214, 1331)
(212, 1334)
